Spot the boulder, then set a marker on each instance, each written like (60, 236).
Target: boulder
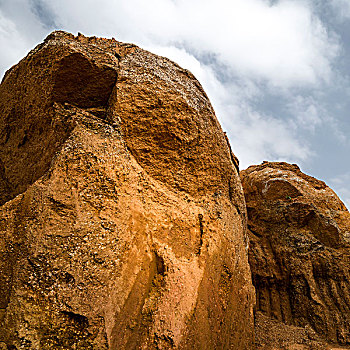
(122, 218)
(299, 250)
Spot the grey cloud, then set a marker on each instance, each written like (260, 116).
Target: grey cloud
(44, 14)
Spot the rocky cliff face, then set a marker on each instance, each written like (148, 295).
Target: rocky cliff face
(122, 214)
(299, 250)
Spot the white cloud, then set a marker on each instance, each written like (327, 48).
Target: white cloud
(310, 114)
(20, 30)
(307, 113)
(284, 44)
(256, 137)
(11, 43)
(7, 34)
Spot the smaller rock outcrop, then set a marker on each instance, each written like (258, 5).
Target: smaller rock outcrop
(299, 249)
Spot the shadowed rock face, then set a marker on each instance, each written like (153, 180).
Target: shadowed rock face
(299, 249)
(123, 219)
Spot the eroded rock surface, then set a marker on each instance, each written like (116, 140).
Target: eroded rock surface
(299, 249)
(123, 217)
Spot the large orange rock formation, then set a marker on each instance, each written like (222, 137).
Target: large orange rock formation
(299, 253)
(122, 215)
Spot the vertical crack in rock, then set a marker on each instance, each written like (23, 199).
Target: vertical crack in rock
(201, 233)
(234, 159)
(161, 268)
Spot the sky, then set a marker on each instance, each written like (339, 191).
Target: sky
(276, 71)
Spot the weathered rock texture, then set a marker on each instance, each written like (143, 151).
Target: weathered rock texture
(271, 334)
(299, 249)
(123, 217)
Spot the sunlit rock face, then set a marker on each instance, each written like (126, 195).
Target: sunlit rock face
(299, 249)
(122, 215)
